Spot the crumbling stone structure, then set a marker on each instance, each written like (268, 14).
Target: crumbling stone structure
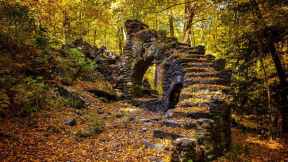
(145, 47)
(197, 116)
(193, 91)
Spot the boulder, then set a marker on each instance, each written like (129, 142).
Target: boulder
(184, 149)
(70, 122)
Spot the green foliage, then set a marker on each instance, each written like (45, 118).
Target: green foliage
(73, 102)
(31, 94)
(80, 60)
(150, 77)
(95, 124)
(41, 40)
(75, 66)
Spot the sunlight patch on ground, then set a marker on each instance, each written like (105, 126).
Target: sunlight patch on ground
(270, 144)
(129, 109)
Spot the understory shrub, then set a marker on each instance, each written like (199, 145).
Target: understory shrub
(31, 95)
(74, 66)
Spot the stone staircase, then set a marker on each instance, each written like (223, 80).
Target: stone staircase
(199, 125)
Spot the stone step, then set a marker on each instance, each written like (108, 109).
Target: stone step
(172, 133)
(186, 78)
(188, 70)
(196, 88)
(192, 115)
(186, 123)
(162, 134)
(203, 90)
(201, 96)
(178, 108)
(197, 64)
(193, 121)
(192, 81)
(190, 104)
(185, 60)
(202, 74)
(195, 56)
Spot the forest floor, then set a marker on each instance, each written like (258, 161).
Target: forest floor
(125, 133)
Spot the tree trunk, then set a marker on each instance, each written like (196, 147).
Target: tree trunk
(270, 46)
(120, 40)
(94, 37)
(283, 87)
(171, 25)
(188, 19)
(66, 27)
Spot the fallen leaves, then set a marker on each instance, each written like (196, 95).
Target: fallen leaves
(269, 144)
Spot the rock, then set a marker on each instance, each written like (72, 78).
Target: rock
(155, 159)
(70, 122)
(219, 64)
(144, 129)
(169, 114)
(203, 123)
(184, 150)
(198, 50)
(85, 133)
(171, 123)
(53, 129)
(119, 115)
(157, 147)
(100, 111)
(148, 123)
(164, 135)
(144, 120)
(148, 144)
(132, 118)
(75, 100)
(78, 112)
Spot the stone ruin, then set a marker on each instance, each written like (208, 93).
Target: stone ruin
(193, 85)
(186, 75)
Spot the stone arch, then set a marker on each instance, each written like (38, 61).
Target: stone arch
(145, 47)
(139, 69)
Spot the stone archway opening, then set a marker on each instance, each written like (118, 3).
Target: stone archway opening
(145, 80)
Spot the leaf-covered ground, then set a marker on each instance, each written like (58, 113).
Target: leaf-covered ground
(124, 134)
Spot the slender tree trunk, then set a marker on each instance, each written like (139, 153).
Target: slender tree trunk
(94, 37)
(272, 115)
(171, 25)
(283, 88)
(188, 19)
(120, 40)
(66, 27)
(81, 20)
